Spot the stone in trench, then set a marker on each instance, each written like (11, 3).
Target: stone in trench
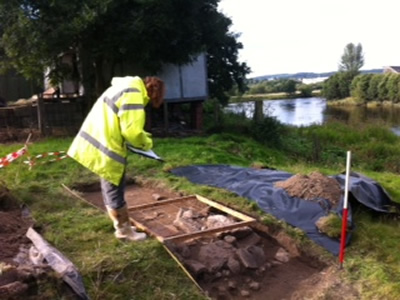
(282, 255)
(241, 232)
(215, 255)
(196, 268)
(184, 251)
(250, 240)
(254, 285)
(158, 197)
(233, 265)
(230, 239)
(216, 221)
(252, 257)
(188, 225)
(288, 243)
(232, 285)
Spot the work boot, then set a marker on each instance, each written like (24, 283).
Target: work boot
(122, 225)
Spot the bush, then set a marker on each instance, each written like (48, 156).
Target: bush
(268, 131)
(305, 90)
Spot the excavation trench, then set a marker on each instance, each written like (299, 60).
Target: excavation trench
(226, 253)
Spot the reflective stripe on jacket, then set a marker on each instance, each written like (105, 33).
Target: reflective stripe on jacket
(117, 116)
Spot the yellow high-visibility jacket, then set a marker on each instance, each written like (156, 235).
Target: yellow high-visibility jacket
(118, 116)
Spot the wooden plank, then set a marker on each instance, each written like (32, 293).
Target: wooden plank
(209, 231)
(226, 209)
(162, 202)
(183, 268)
(78, 196)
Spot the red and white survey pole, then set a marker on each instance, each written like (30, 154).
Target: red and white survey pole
(345, 211)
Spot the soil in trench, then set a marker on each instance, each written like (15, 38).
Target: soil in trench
(20, 278)
(244, 263)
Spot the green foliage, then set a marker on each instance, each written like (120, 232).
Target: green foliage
(373, 92)
(273, 86)
(352, 59)
(376, 87)
(383, 92)
(225, 72)
(103, 35)
(359, 88)
(289, 86)
(338, 85)
(257, 89)
(393, 88)
(268, 131)
(305, 90)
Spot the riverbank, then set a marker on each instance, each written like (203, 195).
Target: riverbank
(270, 96)
(351, 101)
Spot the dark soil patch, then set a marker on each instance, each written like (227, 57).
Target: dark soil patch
(19, 277)
(13, 226)
(231, 265)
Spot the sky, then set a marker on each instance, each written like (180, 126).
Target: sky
(291, 36)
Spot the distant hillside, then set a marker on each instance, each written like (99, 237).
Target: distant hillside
(307, 75)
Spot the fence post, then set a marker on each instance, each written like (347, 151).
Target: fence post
(197, 115)
(258, 110)
(41, 115)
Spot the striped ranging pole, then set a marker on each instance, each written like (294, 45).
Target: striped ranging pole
(345, 211)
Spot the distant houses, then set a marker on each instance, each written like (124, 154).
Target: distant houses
(391, 69)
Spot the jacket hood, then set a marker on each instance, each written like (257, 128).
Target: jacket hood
(131, 81)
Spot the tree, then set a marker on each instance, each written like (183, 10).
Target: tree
(306, 90)
(352, 59)
(373, 93)
(360, 86)
(383, 92)
(289, 86)
(104, 34)
(337, 86)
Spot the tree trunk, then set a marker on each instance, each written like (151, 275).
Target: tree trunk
(216, 112)
(87, 77)
(99, 73)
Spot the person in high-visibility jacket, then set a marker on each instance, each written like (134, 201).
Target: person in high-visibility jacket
(118, 117)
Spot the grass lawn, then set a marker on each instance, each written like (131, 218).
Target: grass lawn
(113, 270)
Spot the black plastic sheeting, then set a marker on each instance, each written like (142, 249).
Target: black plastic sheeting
(258, 185)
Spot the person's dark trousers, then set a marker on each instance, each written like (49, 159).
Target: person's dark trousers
(113, 195)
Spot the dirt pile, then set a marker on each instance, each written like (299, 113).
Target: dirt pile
(313, 187)
(19, 277)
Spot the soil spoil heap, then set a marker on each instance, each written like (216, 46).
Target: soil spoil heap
(313, 187)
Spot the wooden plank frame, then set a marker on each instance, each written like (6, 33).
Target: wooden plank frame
(245, 220)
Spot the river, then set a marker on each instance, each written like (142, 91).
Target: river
(309, 111)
